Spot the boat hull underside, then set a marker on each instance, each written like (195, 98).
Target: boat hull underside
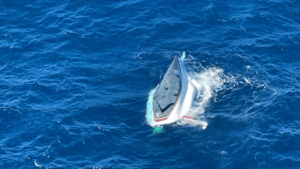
(174, 95)
(180, 110)
(167, 93)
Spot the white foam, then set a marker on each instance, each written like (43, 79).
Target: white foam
(247, 81)
(208, 83)
(36, 164)
(223, 152)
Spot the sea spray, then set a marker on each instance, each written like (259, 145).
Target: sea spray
(208, 83)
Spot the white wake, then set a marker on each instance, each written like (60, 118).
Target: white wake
(208, 83)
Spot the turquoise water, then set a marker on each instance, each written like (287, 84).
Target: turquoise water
(149, 113)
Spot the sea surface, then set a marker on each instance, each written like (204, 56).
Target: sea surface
(75, 78)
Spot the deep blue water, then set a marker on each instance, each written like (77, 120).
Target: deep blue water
(75, 77)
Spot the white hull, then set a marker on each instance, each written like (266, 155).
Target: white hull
(184, 102)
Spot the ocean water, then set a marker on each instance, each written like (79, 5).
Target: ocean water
(75, 78)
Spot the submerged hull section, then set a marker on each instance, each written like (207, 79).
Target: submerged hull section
(173, 96)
